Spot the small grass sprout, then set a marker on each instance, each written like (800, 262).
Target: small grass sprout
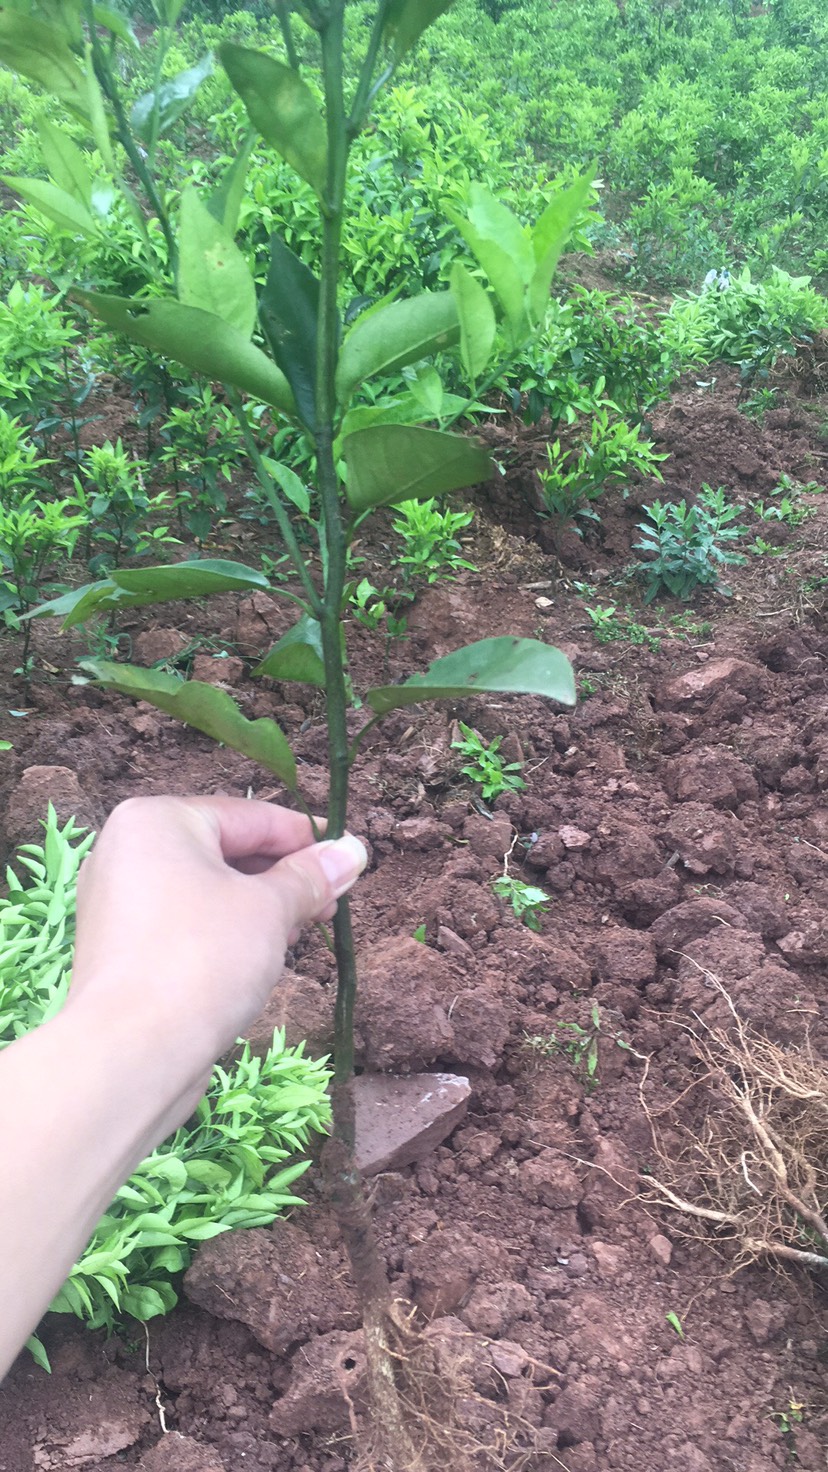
(486, 766)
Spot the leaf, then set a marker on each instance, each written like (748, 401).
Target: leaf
(143, 1303)
(675, 1323)
(298, 655)
(390, 463)
(225, 200)
(174, 96)
(407, 19)
(393, 335)
(37, 50)
(502, 247)
(197, 339)
(65, 162)
(478, 324)
(519, 666)
(549, 237)
(289, 313)
(283, 109)
(212, 272)
(297, 493)
(37, 1350)
(54, 203)
(206, 708)
(136, 586)
(428, 392)
(112, 20)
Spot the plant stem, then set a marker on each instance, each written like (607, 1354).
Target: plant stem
(283, 17)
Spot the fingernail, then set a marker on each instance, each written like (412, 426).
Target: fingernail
(342, 861)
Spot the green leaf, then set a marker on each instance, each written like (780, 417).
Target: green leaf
(297, 493)
(518, 666)
(428, 392)
(197, 339)
(407, 19)
(112, 20)
(212, 272)
(289, 313)
(225, 201)
(297, 655)
(37, 1350)
(37, 50)
(393, 335)
(143, 1303)
(206, 708)
(174, 96)
(54, 203)
(502, 247)
(132, 587)
(390, 463)
(283, 109)
(549, 237)
(478, 324)
(65, 162)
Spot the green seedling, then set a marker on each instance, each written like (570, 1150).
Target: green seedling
(280, 338)
(486, 767)
(760, 548)
(420, 933)
(33, 536)
(112, 492)
(610, 626)
(370, 607)
(578, 1044)
(528, 902)
(675, 1323)
(786, 511)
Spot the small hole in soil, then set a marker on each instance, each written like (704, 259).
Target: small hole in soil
(349, 1363)
(566, 1439)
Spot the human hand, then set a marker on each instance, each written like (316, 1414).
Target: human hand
(186, 907)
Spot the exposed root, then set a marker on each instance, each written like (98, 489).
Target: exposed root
(754, 1170)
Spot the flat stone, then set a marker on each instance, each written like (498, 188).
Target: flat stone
(572, 837)
(702, 685)
(661, 1248)
(509, 1358)
(400, 1120)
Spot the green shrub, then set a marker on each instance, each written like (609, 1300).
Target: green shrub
(232, 1165)
(748, 322)
(684, 544)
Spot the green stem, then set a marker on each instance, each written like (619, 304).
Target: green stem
(282, 519)
(161, 52)
(362, 98)
(283, 17)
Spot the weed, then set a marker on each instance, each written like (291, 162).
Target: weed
(683, 544)
(575, 478)
(578, 1044)
(610, 626)
(675, 1323)
(33, 534)
(528, 902)
(486, 766)
(119, 506)
(761, 401)
(372, 608)
(786, 511)
(430, 546)
(203, 447)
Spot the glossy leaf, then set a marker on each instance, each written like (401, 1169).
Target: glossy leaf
(478, 324)
(390, 463)
(291, 485)
(206, 708)
(502, 247)
(212, 272)
(65, 162)
(54, 203)
(407, 19)
(195, 338)
(549, 237)
(38, 51)
(289, 313)
(112, 20)
(401, 332)
(297, 655)
(427, 389)
(504, 665)
(225, 201)
(283, 109)
(174, 97)
(137, 586)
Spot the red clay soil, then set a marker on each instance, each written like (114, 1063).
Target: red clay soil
(677, 820)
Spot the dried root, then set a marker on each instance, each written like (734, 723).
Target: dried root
(754, 1170)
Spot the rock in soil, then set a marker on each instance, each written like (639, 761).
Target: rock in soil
(401, 1120)
(29, 802)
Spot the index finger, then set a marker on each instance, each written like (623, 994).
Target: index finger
(247, 828)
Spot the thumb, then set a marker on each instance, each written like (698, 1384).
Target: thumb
(308, 883)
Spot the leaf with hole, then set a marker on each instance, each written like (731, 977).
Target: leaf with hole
(289, 313)
(298, 655)
(502, 665)
(283, 109)
(198, 339)
(387, 338)
(206, 708)
(478, 323)
(390, 463)
(174, 97)
(212, 272)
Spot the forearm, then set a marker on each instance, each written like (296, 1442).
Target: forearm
(82, 1100)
